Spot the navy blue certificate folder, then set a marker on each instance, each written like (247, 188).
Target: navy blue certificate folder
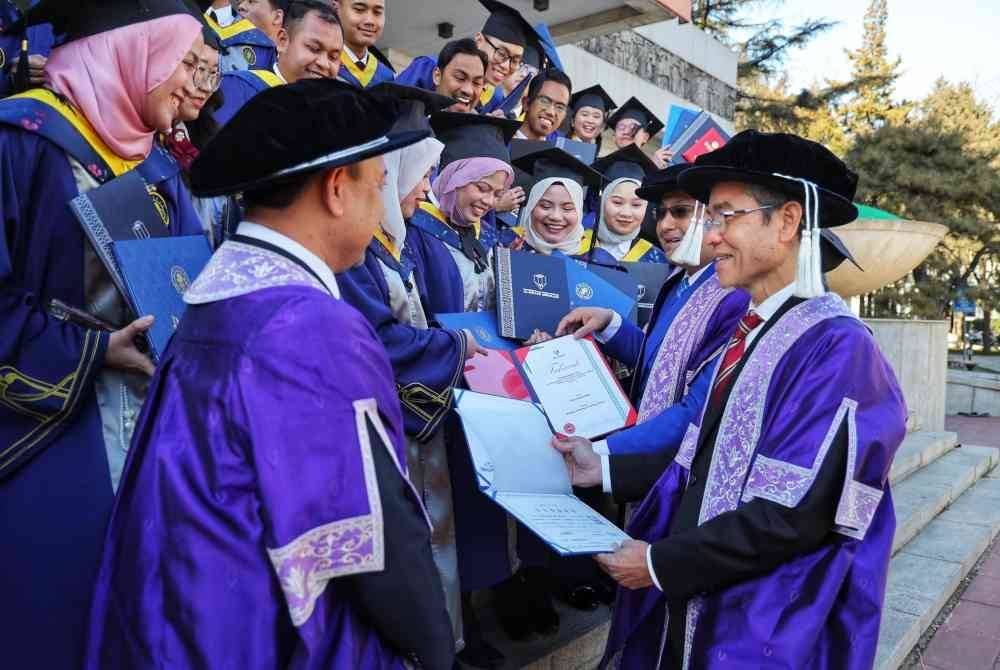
(121, 209)
(481, 324)
(641, 280)
(156, 273)
(537, 291)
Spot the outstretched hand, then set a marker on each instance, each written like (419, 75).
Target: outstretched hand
(472, 346)
(584, 321)
(627, 565)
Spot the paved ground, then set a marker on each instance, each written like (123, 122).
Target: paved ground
(969, 637)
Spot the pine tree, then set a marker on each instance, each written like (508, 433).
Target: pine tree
(875, 76)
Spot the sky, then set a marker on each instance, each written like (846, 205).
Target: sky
(956, 39)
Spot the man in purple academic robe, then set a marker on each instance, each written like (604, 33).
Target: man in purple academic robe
(765, 543)
(265, 519)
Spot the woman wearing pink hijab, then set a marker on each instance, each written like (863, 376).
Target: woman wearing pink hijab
(70, 388)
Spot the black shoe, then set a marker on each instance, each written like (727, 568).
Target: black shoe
(511, 601)
(584, 597)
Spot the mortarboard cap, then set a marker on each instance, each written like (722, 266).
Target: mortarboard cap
(554, 162)
(473, 136)
(308, 126)
(506, 23)
(628, 162)
(633, 109)
(595, 96)
(661, 182)
(416, 104)
(76, 20)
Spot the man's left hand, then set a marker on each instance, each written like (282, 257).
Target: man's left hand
(627, 566)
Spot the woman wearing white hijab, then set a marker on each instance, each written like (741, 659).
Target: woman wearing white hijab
(552, 220)
(427, 361)
(621, 215)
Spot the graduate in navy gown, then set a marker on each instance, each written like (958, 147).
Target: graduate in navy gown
(39, 42)
(70, 393)
(551, 221)
(248, 45)
(266, 495)
(309, 46)
(589, 110)
(546, 106)
(503, 39)
(427, 361)
(618, 221)
(363, 65)
(635, 124)
(782, 487)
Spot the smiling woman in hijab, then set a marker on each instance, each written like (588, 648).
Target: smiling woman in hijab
(427, 362)
(72, 390)
(551, 220)
(622, 213)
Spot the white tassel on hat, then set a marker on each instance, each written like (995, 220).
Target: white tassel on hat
(809, 273)
(688, 252)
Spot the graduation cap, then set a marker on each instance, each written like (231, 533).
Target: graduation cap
(506, 23)
(473, 135)
(416, 104)
(76, 20)
(554, 162)
(595, 96)
(633, 109)
(308, 126)
(661, 182)
(628, 162)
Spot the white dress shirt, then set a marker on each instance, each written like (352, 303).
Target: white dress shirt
(314, 262)
(354, 57)
(224, 15)
(278, 74)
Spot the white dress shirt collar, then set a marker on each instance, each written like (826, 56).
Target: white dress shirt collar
(224, 15)
(314, 262)
(277, 72)
(354, 57)
(767, 309)
(693, 278)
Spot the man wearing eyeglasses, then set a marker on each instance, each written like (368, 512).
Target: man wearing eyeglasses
(546, 106)
(309, 45)
(692, 319)
(766, 541)
(503, 39)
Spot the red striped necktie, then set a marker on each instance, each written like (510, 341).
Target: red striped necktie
(734, 352)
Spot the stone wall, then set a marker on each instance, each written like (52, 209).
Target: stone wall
(918, 353)
(973, 392)
(634, 53)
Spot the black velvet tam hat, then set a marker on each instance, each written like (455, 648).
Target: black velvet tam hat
(778, 161)
(506, 23)
(473, 136)
(73, 20)
(415, 104)
(628, 162)
(294, 129)
(554, 162)
(661, 182)
(595, 96)
(633, 109)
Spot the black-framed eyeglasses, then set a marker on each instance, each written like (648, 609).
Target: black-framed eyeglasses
(721, 219)
(501, 55)
(546, 102)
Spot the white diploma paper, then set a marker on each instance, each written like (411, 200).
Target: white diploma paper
(510, 444)
(577, 388)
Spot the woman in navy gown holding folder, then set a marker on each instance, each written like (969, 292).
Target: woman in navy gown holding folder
(71, 393)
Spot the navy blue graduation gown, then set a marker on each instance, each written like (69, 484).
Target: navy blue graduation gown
(376, 71)
(420, 73)
(239, 87)
(245, 47)
(40, 42)
(54, 473)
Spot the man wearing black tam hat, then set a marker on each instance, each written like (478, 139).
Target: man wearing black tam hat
(783, 488)
(503, 39)
(309, 46)
(267, 495)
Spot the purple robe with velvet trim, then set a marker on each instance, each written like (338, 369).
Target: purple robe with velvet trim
(250, 487)
(814, 371)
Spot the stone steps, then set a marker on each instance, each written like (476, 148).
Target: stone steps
(948, 513)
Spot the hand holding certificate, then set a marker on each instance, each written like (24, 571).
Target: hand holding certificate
(519, 470)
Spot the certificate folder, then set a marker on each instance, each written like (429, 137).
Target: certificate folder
(157, 272)
(535, 291)
(517, 468)
(643, 281)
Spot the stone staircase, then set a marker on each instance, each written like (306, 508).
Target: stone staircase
(947, 501)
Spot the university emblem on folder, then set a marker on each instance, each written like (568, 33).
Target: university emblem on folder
(250, 56)
(540, 280)
(140, 230)
(179, 278)
(641, 291)
(483, 335)
(584, 291)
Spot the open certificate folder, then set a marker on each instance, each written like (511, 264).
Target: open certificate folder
(516, 466)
